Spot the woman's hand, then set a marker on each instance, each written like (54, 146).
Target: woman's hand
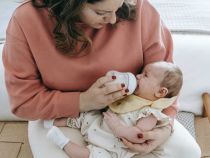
(153, 138)
(100, 94)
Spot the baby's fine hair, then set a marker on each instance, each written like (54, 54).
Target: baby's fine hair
(173, 79)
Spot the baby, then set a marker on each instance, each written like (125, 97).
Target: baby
(157, 88)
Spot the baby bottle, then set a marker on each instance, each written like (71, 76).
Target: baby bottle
(124, 77)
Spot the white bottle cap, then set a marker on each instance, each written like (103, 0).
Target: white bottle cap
(132, 83)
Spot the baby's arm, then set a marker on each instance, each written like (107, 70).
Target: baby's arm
(147, 123)
(63, 122)
(121, 130)
(60, 122)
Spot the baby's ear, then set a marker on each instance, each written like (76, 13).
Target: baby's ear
(163, 91)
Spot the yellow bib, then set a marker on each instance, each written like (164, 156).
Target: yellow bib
(133, 102)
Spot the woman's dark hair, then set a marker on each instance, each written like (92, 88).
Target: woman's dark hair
(66, 12)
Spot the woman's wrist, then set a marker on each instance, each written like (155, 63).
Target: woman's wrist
(82, 102)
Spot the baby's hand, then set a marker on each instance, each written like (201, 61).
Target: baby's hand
(121, 130)
(111, 118)
(114, 123)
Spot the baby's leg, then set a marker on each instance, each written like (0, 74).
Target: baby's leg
(76, 151)
(72, 150)
(59, 122)
(147, 123)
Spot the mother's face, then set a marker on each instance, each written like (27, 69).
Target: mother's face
(100, 13)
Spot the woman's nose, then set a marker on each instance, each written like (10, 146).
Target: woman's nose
(112, 18)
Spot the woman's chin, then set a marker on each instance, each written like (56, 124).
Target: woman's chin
(95, 26)
(98, 26)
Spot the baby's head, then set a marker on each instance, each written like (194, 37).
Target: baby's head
(159, 80)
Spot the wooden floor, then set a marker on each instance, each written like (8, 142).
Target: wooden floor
(14, 139)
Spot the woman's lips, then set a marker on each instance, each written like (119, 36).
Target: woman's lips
(102, 24)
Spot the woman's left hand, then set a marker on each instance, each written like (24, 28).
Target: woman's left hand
(153, 138)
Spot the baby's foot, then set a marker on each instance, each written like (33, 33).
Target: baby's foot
(57, 137)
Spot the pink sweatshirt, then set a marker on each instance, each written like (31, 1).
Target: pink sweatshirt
(44, 84)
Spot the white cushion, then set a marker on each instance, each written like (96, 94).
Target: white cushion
(43, 148)
(5, 112)
(192, 54)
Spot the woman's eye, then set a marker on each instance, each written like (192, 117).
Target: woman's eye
(101, 14)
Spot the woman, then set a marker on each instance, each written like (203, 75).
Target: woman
(57, 53)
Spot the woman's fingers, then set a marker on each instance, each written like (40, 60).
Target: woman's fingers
(109, 92)
(153, 139)
(160, 134)
(111, 88)
(143, 148)
(101, 94)
(102, 80)
(114, 96)
(131, 146)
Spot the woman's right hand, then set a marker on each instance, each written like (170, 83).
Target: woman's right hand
(101, 94)
(154, 138)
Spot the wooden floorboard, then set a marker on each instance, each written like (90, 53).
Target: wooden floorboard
(25, 151)
(14, 132)
(14, 140)
(1, 126)
(9, 150)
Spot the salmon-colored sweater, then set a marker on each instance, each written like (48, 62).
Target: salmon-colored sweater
(43, 84)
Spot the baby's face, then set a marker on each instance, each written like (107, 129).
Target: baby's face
(149, 82)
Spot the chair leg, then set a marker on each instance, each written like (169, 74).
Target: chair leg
(206, 103)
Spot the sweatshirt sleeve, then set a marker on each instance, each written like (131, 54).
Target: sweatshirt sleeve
(156, 39)
(29, 98)
(157, 44)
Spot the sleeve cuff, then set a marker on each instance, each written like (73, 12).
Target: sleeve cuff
(68, 104)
